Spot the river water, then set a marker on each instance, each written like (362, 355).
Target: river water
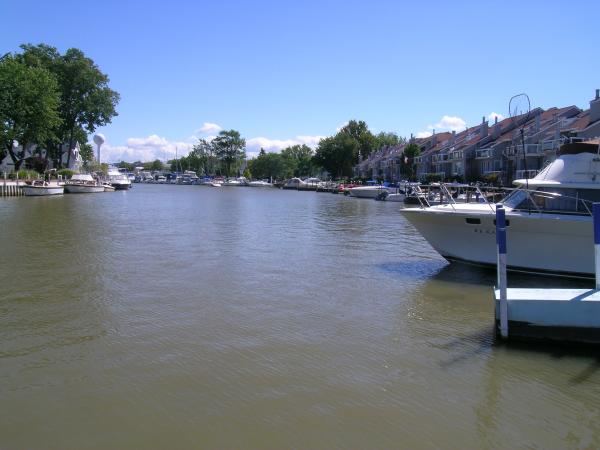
(196, 317)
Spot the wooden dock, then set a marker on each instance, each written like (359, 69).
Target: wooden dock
(11, 189)
(565, 315)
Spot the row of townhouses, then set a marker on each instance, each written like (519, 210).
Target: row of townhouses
(485, 152)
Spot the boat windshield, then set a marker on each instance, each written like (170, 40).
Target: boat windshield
(553, 200)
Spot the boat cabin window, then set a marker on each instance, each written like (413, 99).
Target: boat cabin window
(550, 199)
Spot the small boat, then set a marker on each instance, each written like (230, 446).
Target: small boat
(259, 183)
(216, 184)
(367, 191)
(42, 188)
(83, 183)
(117, 179)
(108, 188)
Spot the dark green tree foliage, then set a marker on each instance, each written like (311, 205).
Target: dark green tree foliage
(29, 101)
(229, 147)
(340, 153)
(269, 165)
(411, 151)
(388, 139)
(299, 159)
(86, 101)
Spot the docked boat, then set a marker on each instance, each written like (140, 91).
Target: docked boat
(549, 221)
(259, 183)
(118, 180)
(371, 191)
(83, 183)
(42, 188)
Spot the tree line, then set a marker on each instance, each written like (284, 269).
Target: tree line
(51, 101)
(336, 155)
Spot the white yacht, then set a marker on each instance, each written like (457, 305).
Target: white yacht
(42, 188)
(118, 180)
(549, 222)
(259, 183)
(83, 183)
(370, 191)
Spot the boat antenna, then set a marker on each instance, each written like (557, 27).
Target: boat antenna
(519, 109)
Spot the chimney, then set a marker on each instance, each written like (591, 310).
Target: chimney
(538, 122)
(495, 120)
(595, 107)
(433, 139)
(496, 130)
(453, 138)
(483, 132)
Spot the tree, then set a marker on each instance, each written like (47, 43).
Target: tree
(359, 131)
(410, 152)
(268, 165)
(299, 159)
(229, 147)
(29, 102)
(388, 139)
(337, 154)
(86, 101)
(204, 154)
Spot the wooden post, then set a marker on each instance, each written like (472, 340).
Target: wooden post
(501, 245)
(596, 210)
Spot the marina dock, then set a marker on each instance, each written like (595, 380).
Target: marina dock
(567, 315)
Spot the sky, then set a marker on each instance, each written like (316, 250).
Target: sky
(283, 72)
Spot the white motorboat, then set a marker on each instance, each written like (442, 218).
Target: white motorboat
(549, 222)
(108, 188)
(259, 183)
(42, 188)
(118, 180)
(367, 191)
(83, 183)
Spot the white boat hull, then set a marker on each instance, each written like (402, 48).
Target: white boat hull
(366, 192)
(38, 191)
(538, 243)
(82, 189)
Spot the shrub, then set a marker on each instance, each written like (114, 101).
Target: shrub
(65, 173)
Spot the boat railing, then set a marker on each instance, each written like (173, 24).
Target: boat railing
(548, 202)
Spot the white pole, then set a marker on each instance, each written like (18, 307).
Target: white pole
(596, 210)
(502, 281)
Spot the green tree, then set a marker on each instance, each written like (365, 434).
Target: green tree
(229, 147)
(410, 152)
(365, 140)
(87, 152)
(337, 154)
(299, 159)
(86, 101)
(268, 165)
(388, 139)
(29, 102)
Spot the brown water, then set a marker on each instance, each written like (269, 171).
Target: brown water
(193, 317)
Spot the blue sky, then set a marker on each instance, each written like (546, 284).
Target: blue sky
(286, 72)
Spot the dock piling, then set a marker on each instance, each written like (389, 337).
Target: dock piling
(596, 212)
(502, 279)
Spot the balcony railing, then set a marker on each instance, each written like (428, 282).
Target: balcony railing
(526, 174)
(483, 153)
(456, 156)
(439, 157)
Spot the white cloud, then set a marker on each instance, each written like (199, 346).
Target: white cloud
(254, 145)
(451, 123)
(492, 116)
(144, 149)
(423, 134)
(208, 128)
(155, 147)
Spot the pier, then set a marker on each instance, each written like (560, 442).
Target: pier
(567, 315)
(11, 188)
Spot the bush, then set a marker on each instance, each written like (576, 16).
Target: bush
(65, 173)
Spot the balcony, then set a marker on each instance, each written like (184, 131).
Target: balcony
(441, 157)
(483, 153)
(456, 156)
(521, 174)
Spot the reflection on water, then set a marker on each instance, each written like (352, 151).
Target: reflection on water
(184, 316)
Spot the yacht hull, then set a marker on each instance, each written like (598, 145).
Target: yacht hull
(81, 189)
(38, 191)
(538, 243)
(366, 192)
